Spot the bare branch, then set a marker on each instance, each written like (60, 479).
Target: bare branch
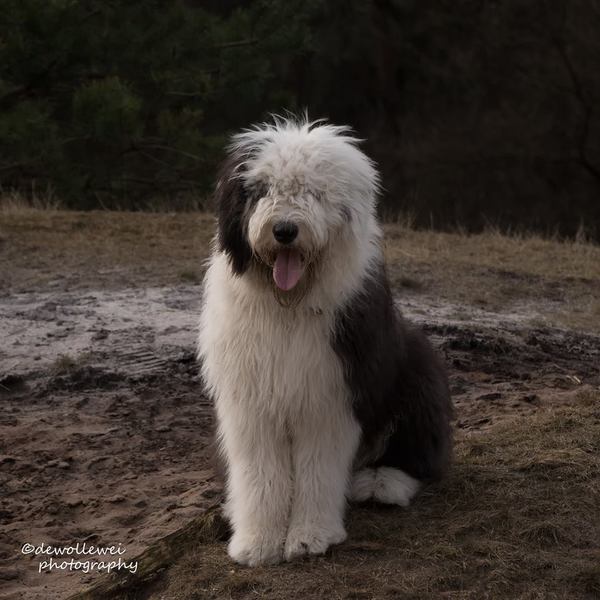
(236, 44)
(585, 105)
(174, 150)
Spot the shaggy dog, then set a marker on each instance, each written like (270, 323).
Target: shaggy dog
(322, 392)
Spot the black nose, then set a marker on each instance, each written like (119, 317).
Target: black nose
(285, 232)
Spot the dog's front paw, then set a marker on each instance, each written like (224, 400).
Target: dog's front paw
(306, 539)
(256, 549)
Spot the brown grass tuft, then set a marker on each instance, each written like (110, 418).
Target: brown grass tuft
(63, 365)
(16, 203)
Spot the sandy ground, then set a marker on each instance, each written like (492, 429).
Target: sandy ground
(104, 429)
(105, 434)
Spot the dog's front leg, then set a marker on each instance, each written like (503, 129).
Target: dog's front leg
(259, 485)
(322, 453)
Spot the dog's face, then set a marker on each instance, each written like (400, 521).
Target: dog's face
(286, 194)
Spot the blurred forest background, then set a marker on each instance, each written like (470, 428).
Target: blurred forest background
(477, 111)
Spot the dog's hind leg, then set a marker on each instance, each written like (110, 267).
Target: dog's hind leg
(420, 442)
(418, 447)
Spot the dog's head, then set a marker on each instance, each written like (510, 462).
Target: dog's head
(287, 192)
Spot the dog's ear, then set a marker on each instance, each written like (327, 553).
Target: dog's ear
(230, 204)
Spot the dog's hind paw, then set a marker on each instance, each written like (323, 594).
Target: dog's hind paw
(385, 484)
(393, 486)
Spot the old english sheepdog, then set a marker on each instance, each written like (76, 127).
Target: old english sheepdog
(323, 393)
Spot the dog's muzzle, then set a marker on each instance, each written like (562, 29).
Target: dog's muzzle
(289, 262)
(285, 232)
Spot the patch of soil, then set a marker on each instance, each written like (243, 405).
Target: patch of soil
(106, 436)
(497, 374)
(94, 456)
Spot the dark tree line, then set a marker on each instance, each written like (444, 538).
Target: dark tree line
(478, 111)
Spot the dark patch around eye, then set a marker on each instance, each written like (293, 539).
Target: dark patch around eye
(256, 191)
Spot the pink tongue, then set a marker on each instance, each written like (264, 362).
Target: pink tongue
(288, 268)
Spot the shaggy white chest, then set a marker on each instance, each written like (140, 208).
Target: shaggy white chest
(264, 357)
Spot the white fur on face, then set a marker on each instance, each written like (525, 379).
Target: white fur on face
(315, 178)
(314, 221)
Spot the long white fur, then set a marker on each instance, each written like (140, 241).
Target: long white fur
(285, 422)
(385, 485)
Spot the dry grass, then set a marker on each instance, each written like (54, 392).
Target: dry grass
(15, 203)
(518, 518)
(529, 255)
(66, 364)
(99, 249)
(559, 280)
